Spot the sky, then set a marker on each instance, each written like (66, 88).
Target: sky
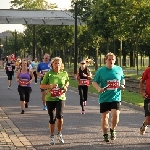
(5, 4)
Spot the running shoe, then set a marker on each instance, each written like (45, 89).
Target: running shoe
(44, 107)
(9, 87)
(112, 134)
(105, 138)
(143, 129)
(60, 139)
(52, 140)
(22, 112)
(83, 112)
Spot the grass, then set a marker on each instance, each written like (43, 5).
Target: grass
(130, 97)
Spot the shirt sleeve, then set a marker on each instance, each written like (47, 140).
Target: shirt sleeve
(122, 74)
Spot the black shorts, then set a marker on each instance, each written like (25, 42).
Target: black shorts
(58, 105)
(24, 93)
(147, 107)
(9, 74)
(107, 106)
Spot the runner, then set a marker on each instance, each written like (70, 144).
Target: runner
(108, 81)
(24, 76)
(144, 84)
(9, 70)
(42, 68)
(34, 68)
(83, 76)
(56, 81)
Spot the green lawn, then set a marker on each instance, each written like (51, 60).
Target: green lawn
(130, 97)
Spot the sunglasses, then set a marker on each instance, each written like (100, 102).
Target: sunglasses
(82, 63)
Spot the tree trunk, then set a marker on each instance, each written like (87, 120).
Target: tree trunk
(131, 59)
(96, 58)
(124, 60)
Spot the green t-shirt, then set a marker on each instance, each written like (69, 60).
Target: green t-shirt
(52, 77)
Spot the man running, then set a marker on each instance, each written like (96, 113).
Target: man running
(145, 93)
(108, 81)
(34, 68)
(42, 68)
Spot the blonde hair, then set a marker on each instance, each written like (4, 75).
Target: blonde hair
(57, 59)
(110, 54)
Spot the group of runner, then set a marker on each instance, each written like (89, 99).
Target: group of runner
(54, 81)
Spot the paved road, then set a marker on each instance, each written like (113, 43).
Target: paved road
(80, 132)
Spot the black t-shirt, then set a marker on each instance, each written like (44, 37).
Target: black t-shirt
(9, 67)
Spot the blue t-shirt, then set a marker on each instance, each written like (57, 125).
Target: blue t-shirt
(112, 77)
(43, 68)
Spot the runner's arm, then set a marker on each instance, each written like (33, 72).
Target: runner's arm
(97, 87)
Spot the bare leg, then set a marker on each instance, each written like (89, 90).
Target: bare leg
(115, 118)
(104, 121)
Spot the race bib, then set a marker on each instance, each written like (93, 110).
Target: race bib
(9, 68)
(44, 71)
(23, 82)
(84, 82)
(56, 92)
(113, 84)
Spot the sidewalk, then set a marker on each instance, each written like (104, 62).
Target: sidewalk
(10, 136)
(80, 132)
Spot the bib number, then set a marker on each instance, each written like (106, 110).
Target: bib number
(113, 84)
(23, 82)
(84, 82)
(56, 92)
(9, 68)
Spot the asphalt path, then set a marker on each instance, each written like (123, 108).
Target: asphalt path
(80, 132)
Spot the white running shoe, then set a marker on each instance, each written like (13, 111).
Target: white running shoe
(52, 140)
(143, 129)
(60, 139)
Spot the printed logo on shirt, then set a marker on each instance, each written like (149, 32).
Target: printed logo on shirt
(113, 84)
(9, 68)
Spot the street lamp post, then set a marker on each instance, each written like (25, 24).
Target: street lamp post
(75, 40)
(33, 51)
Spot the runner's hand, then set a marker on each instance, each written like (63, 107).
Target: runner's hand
(41, 75)
(101, 90)
(144, 95)
(17, 80)
(122, 87)
(84, 75)
(54, 86)
(64, 89)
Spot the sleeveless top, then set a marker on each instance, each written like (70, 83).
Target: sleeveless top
(24, 78)
(9, 68)
(85, 71)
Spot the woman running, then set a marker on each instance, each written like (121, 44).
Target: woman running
(56, 81)
(9, 70)
(83, 76)
(24, 77)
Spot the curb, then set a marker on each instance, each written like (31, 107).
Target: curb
(136, 107)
